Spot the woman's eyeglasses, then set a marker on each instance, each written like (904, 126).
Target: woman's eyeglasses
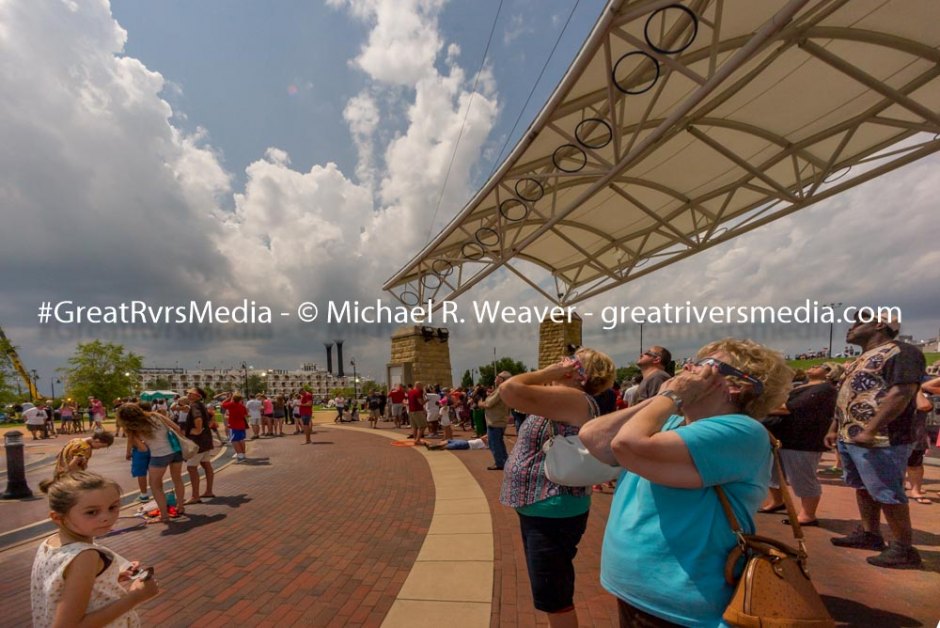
(729, 371)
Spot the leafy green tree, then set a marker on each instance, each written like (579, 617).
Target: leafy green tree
(161, 383)
(467, 380)
(102, 370)
(488, 376)
(256, 384)
(626, 373)
(9, 378)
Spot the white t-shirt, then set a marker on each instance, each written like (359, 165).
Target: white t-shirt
(254, 408)
(476, 443)
(34, 416)
(433, 410)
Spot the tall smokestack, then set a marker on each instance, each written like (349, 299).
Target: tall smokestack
(329, 357)
(339, 358)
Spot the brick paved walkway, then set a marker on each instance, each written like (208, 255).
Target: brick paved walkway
(318, 535)
(328, 534)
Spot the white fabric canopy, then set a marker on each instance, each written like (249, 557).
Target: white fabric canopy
(681, 126)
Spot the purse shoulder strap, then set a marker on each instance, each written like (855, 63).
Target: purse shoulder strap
(784, 490)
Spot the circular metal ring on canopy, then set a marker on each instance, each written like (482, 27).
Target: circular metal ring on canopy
(556, 158)
(435, 282)
(838, 174)
(642, 89)
(410, 298)
(472, 251)
(487, 237)
(531, 191)
(442, 268)
(671, 51)
(513, 210)
(596, 122)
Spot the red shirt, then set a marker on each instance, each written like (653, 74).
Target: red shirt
(237, 414)
(415, 400)
(306, 403)
(397, 395)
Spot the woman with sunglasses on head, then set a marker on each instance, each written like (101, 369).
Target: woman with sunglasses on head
(558, 399)
(801, 425)
(667, 536)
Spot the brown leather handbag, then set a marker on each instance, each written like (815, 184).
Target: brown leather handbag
(775, 589)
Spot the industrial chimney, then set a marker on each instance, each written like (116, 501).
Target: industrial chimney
(339, 358)
(329, 357)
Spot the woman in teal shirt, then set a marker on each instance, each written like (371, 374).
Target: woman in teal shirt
(558, 399)
(667, 537)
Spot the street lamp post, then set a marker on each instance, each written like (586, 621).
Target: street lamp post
(641, 339)
(355, 381)
(831, 325)
(245, 367)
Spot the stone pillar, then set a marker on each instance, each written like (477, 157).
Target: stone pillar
(554, 339)
(421, 354)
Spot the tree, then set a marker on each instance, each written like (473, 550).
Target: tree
(488, 376)
(256, 384)
(102, 370)
(161, 383)
(626, 373)
(467, 380)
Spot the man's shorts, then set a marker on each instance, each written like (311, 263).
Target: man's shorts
(254, 420)
(396, 410)
(140, 461)
(418, 419)
(237, 435)
(305, 419)
(799, 467)
(878, 470)
(204, 456)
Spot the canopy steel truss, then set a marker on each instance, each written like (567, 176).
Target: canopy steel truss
(682, 126)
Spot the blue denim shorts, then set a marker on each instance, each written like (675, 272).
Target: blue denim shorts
(140, 461)
(162, 462)
(878, 470)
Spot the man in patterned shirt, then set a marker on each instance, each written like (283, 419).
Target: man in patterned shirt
(874, 430)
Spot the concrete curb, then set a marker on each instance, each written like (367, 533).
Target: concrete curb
(458, 547)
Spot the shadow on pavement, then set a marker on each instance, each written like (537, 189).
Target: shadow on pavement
(321, 442)
(256, 462)
(232, 501)
(190, 522)
(848, 611)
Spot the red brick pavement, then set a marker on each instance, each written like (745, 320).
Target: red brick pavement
(317, 535)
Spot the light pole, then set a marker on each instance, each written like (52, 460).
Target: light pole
(245, 367)
(355, 381)
(832, 324)
(264, 381)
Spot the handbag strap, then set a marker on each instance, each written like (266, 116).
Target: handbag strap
(784, 490)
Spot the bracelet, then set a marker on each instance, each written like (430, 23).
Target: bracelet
(676, 399)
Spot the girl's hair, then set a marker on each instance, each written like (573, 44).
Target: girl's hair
(64, 490)
(599, 370)
(132, 418)
(103, 436)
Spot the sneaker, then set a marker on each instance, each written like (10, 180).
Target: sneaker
(897, 556)
(860, 539)
(143, 498)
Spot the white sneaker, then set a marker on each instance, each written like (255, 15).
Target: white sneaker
(236, 455)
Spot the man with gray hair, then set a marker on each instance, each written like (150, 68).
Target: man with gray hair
(497, 416)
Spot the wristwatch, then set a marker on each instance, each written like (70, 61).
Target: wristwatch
(676, 399)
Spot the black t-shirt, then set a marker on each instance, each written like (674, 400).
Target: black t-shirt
(606, 401)
(197, 410)
(811, 411)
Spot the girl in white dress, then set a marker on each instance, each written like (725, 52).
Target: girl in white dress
(74, 580)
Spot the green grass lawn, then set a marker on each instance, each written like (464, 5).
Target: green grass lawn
(805, 364)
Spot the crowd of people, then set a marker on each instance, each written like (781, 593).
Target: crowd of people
(679, 439)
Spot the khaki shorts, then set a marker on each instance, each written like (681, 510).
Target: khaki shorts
(195, 461)
(418, 419)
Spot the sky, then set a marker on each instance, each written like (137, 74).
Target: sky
(293, 151)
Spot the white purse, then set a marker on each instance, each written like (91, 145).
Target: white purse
(569, 463)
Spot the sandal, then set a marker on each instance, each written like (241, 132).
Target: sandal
(776, 508)
(207, 496)
(922, 499)
(809, 524)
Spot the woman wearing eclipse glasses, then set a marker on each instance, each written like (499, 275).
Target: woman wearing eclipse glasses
(667, 537)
